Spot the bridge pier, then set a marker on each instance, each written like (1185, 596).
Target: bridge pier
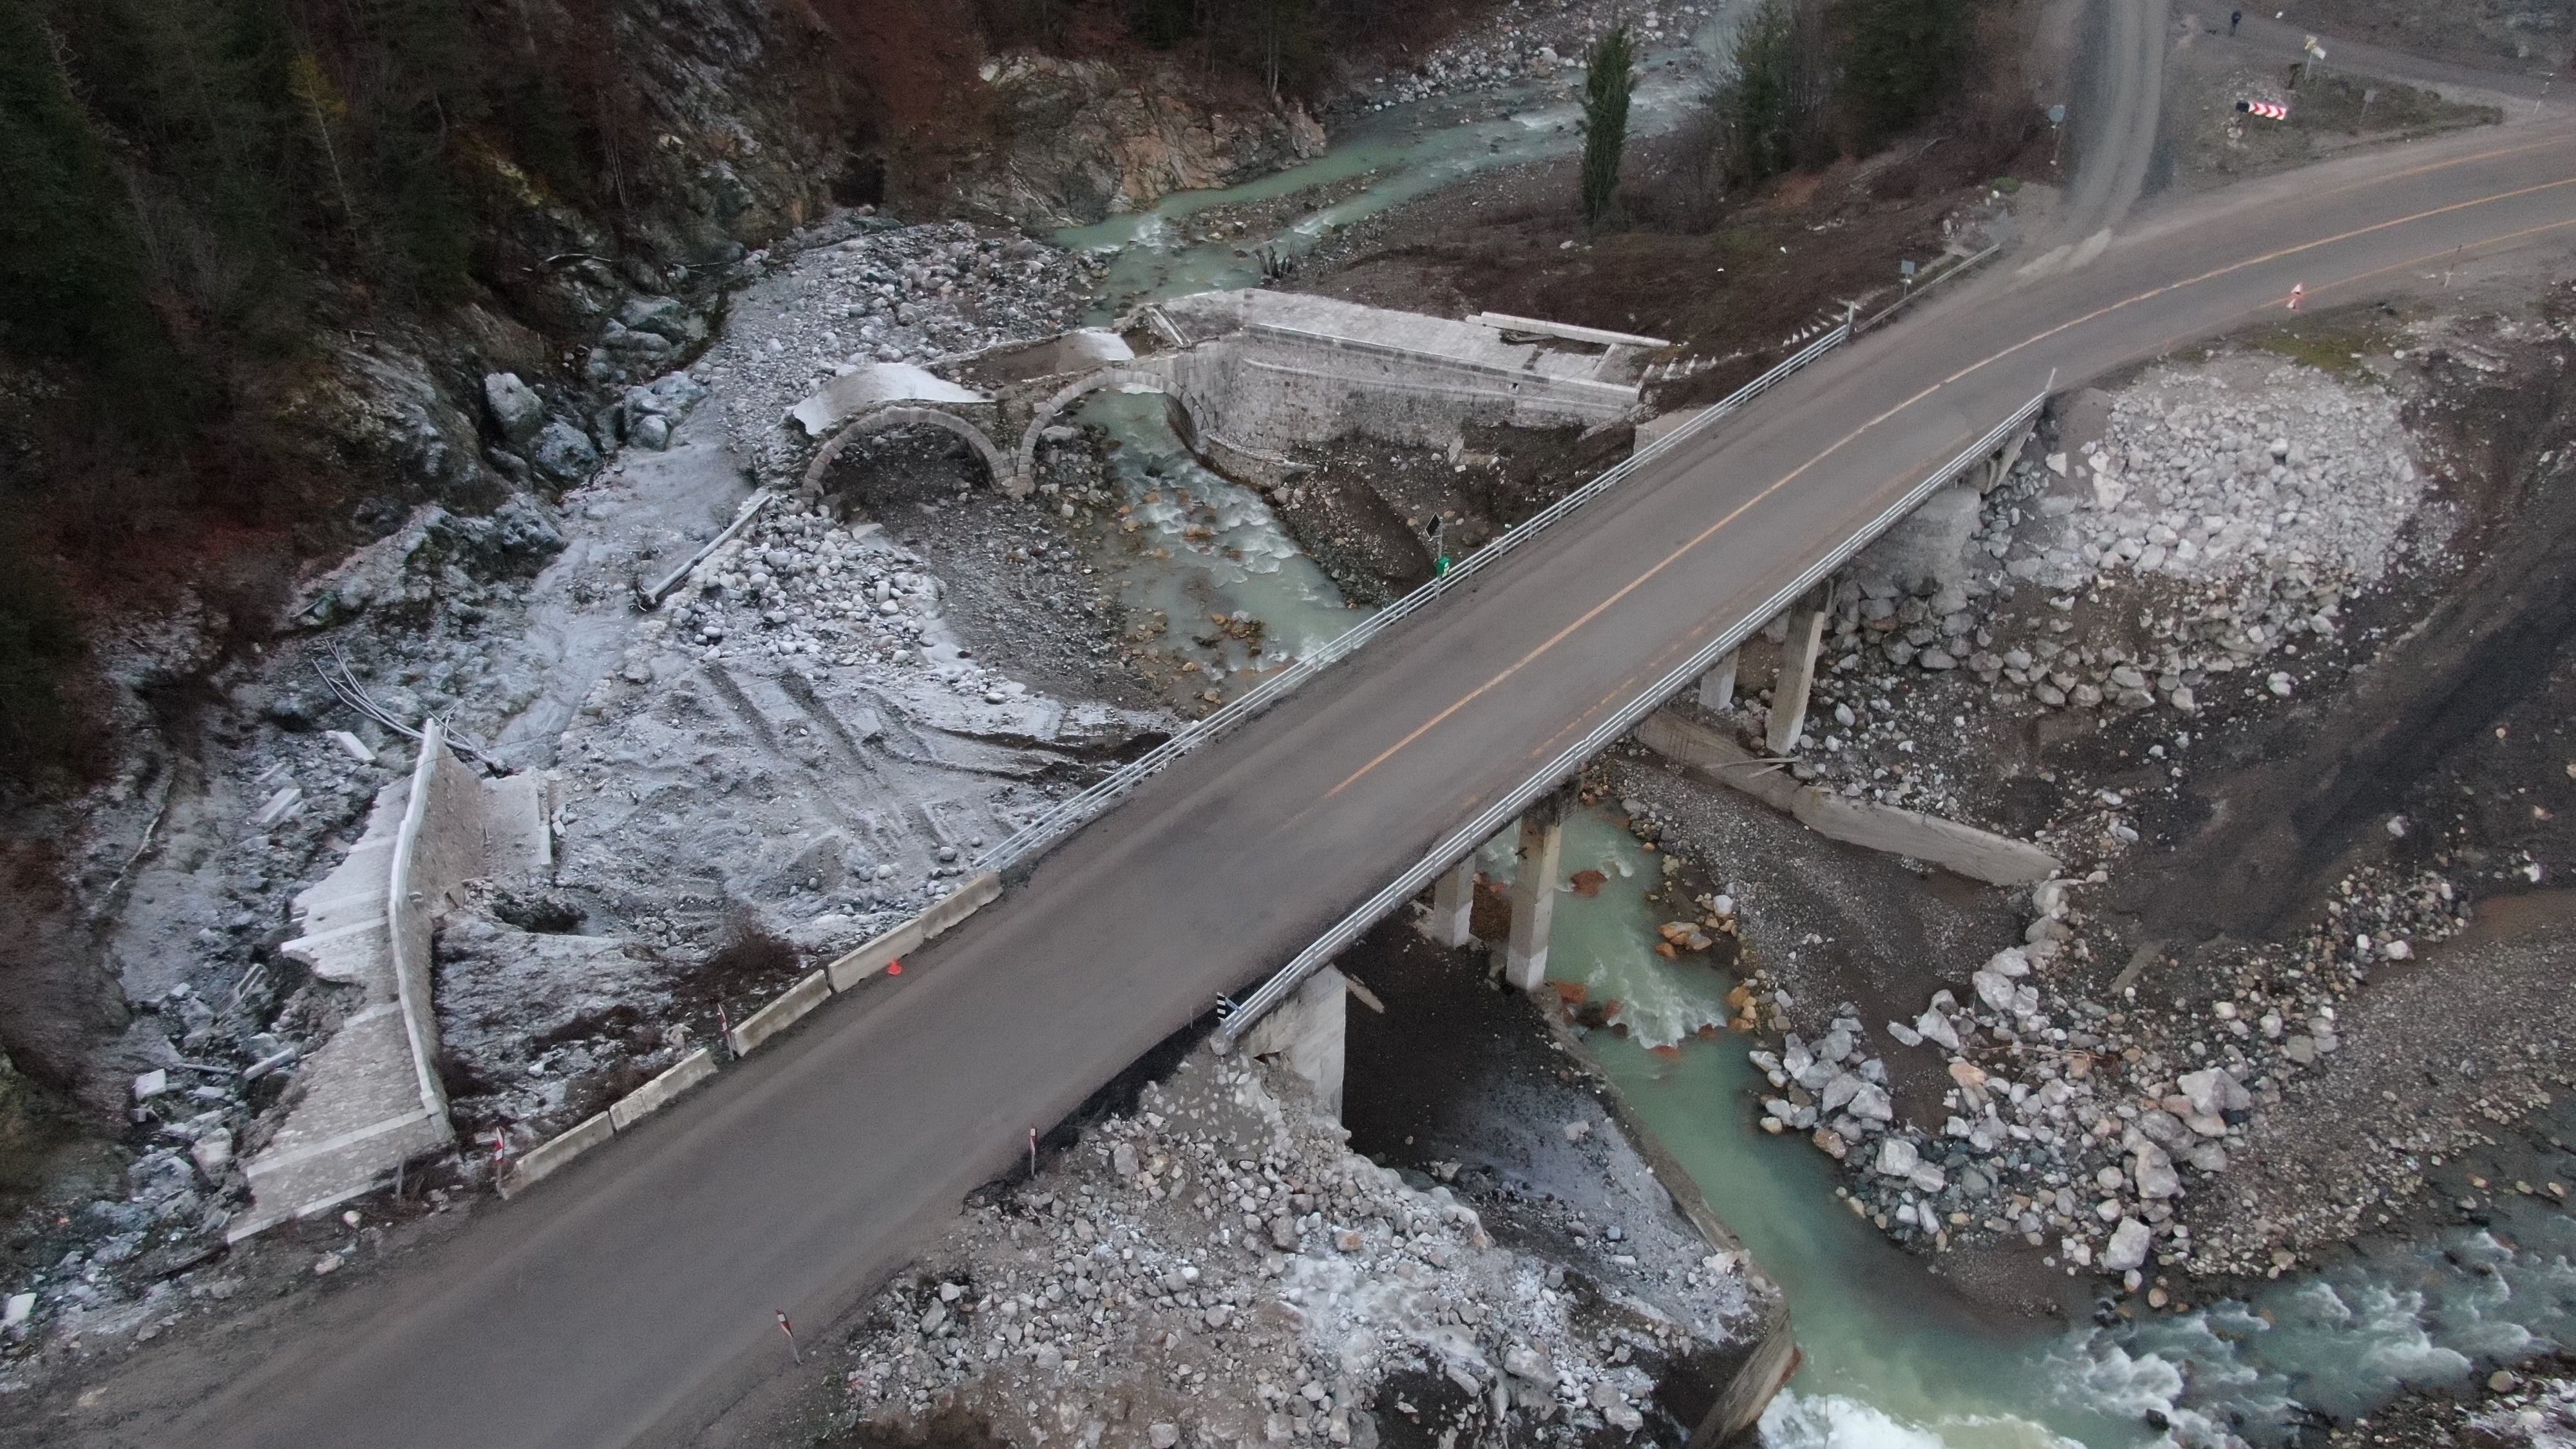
(1797, 669)
(1717, 687)
(1453, 903)
(1523, 956)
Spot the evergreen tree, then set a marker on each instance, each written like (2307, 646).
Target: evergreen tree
(1608, 77)
(1900, 60)
(1753, 103)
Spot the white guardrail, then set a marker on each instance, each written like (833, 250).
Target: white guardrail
(1075, 811)
(1483, 828)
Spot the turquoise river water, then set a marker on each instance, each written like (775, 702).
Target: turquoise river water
(1892, 1361)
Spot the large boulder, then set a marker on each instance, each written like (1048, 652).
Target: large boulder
(564, 453)
(665, 317)
(2128, 1246)
(516, 409)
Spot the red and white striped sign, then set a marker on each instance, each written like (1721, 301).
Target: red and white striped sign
(2268, 110)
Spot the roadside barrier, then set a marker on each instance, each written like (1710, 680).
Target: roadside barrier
(798, 1001)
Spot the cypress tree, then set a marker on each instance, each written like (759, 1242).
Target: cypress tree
(1608, 77)
(1754, 103)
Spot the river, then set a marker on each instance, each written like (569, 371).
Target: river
(1893, 1360)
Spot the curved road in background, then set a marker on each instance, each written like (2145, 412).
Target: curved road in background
(2118, 128)
(630, 1299)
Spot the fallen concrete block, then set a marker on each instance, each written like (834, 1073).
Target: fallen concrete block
(1963, 849)
(1976, 854)
(1716, 757)
(547, 1158)
(658, 1093)
(781, 1014)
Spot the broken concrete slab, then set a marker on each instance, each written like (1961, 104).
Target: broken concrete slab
(879, 384)
(369, 1097)
(1711, 755)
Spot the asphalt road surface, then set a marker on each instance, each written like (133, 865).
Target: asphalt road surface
(631, 1298)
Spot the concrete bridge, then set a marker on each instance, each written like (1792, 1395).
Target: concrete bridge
(1250, 375)
(814, 1168)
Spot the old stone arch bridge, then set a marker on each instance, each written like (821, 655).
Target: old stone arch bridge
(1249, 376)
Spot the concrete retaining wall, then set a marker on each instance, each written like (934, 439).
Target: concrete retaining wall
(1977, 854)
(857, 966)
(781, 1014)
(658, 1093)
(1310, 1032)
(1272, 389)
(546, 1160)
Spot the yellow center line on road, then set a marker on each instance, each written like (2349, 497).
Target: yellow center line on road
(1696, 540)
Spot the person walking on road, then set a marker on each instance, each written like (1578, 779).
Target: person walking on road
(2234, 18)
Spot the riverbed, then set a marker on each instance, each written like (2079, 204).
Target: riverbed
(1895, 1358)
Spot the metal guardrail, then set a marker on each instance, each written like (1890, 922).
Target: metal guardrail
(1916, 293)
(1075, 811)
(1458, 843)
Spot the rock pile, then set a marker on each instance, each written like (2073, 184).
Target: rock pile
(1218, 1269)
(1530, 40)
(2177, 566)
(863, 289)
(2076, 1125)
(2540, 1413)
(2215, 473)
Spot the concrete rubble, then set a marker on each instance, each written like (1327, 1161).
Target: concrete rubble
(1216, 1268)
(1527, 41)
(2235, 507)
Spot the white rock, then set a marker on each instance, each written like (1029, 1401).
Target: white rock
(2154, 1173)
(2127, 1248)
(1897, 1157)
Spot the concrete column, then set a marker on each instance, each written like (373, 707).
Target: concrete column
(1453, 903)
(1524, 953)
(1797, 670)
(1717, 687)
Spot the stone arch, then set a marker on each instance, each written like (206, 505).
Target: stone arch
(898, 415)
(1124, 379)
